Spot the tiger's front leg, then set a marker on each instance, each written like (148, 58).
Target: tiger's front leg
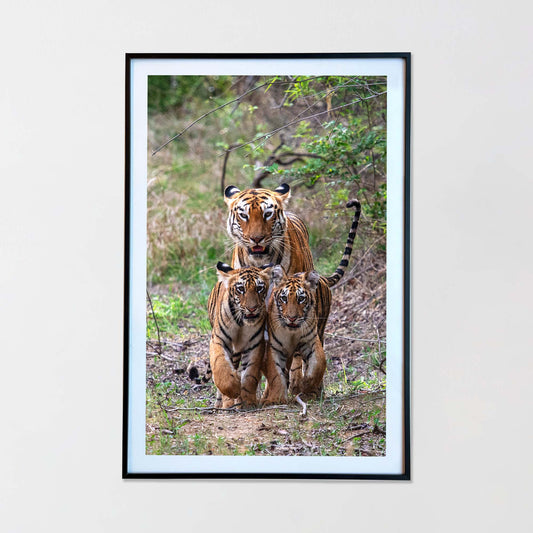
(275, 368)
(313, 369)
(218, 401)
(225, 376)
(225, 402)
(296, 375)
(251, 362)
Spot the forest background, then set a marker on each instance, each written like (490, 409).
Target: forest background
(324, 136)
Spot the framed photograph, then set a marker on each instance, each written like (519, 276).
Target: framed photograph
(267, 266)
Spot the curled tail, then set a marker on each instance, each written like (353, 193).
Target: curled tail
(339, 272)
(199, 370)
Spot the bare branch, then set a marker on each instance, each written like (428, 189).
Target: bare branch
(159, 348)
(249, 85)
(272, 159)
(246, 93)
(223, 177)
(307, 117)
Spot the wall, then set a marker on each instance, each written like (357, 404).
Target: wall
(61, 222)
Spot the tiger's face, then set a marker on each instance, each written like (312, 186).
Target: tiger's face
(294, 298)
(256, 219)
(247, 289)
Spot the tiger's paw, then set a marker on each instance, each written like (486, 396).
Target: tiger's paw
(274, 400)
(231, 403)
(229, 384)
(248, 400)
(274, 397)
(310, 391)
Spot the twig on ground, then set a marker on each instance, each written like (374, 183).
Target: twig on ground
(182, 345)
(163, 356)
(228, 409)
(303, 404)
(337, 336)
(381, 360)
(356, 436)
(159, 347)
(267, 408)
(379, 341)
(357, 395)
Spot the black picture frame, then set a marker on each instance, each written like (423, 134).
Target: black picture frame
(129, 472)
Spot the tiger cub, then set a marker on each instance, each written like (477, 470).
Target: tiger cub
(293, 327)
(237, 313)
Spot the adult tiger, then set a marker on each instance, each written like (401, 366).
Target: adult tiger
(237, 314)
(292, 323)
(263, 232)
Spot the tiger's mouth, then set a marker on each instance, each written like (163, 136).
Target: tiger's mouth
(258, 250)
(292, 325)
(251, 317)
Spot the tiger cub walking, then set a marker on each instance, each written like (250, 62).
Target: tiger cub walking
(237, 314)
(293, 327)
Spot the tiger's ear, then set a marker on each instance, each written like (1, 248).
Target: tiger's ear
(311, 280)
(277, 275)
(284, 193)
(229, 192)
(224, 272)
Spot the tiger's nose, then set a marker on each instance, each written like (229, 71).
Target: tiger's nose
(257, 238)
(251, 309)
(292, 318)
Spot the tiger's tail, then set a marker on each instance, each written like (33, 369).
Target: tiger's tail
(195, 374)
(341, 269)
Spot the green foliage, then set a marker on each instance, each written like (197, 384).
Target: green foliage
(172, 312)
(343, 151)
(348, 149)
(168, 92)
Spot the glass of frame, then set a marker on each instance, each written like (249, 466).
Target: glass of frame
(315, 131)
